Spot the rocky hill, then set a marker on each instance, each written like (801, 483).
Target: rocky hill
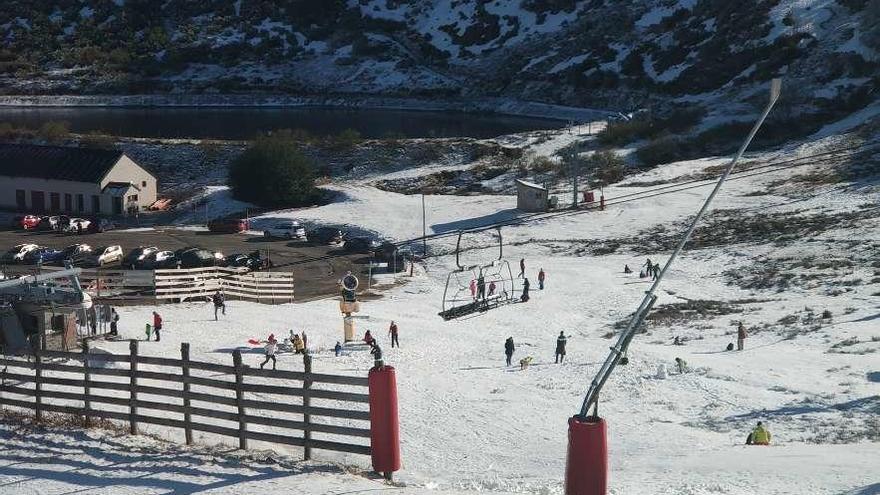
(612, 54)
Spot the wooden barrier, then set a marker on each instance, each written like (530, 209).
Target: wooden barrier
(76, 383)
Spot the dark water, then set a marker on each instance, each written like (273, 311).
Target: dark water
(244, 123)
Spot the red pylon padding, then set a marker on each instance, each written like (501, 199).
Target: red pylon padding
(384, 424)
(586, 468)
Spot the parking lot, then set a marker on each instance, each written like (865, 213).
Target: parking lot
(313, 279)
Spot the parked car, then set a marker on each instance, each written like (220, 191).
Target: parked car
(100, 225)
(17, 253)
(103, 255)
(158, 260)
(44, 255)
(228, 225)
(137, 255)
(75, 251)
(385, 251)
(198, 258)
(285, 229)
(26, 222)
(362, 245)
(325, 235)
(76, 224)
(251, 261)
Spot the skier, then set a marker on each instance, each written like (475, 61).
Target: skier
(376, 351)
(219, 304)
(114, 320)
(741, 336)
(681, 364)
(481, 287)
(525, 292)
(338, 349)
(560, 347)
(759, 436)
(627, 269)
(368, 338)
(392, 330)
(522, 268)
(271, 345)
(541, 276)
(473, 288)
(508, 349)
(491, 288)
(157, 325)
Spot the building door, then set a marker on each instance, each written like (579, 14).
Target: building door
(20, 199)
(68, 202)
(80, 203)
(117, 205)
(55, 202)
(38, 201)
(96, 203)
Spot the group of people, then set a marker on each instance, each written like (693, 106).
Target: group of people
(478, 286)
(510, 348)
(649, 269)
(156, 328)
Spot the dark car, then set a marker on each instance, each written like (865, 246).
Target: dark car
(75, 251)
(228, 225)
(137, 255)
(385, 251)
(198, 258)
(361, 245)
(324, 235)
(158, 260)
(54, 222)
(43, 255)
(97, 225)
(239, 260)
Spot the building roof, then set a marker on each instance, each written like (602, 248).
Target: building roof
(530, 185)
(57, 162)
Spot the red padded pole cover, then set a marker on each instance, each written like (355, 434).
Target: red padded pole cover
(384, 425)
(586, 468)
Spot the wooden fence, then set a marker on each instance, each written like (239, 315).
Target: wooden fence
(178, 285)
(330, 412)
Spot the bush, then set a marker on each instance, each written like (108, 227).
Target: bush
(659, 151)
(543, 164)
(273, 172)
(623, 132)
(346, 139)
(607, 167)
(54, 131)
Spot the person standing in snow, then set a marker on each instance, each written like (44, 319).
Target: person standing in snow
(560, 347)
(525, 292)
(656, 272)
(338, 349)
(219, 304)
(149, 331)
(491, 288)
(741, 336)
(481, 287)
(392, 330)
(298, 347)
(376, 351)
(541, 276)
(473, 287)
(271, 345)
(305, 340)
(522, 268)
(648, 266)
(114, 321)
(157, 325)
(508, 349)
(759, 436)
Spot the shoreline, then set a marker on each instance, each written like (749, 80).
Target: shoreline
(490, 105)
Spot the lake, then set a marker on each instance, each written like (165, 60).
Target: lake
(245, 123)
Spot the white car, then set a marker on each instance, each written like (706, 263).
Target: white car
(285, 229)
(17, 253)
(73, 226)
(103, 255)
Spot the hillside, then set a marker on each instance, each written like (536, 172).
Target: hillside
(596, 53)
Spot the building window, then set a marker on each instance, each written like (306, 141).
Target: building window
(20, 199)
(80, 203)
(68, 202)
(54, 202)
(96, 203)
(133, 198)
(143, 183)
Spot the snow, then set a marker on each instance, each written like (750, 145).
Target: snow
(565, 64)
(657, 14)
(468, 424)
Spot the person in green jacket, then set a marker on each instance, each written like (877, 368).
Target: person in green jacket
(760, 435)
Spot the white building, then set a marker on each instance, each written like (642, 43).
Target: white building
(530, 196)
(56, 179)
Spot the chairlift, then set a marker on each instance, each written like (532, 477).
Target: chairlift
(457, 297)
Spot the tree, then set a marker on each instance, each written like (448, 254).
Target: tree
(54, 131)
(273, 172)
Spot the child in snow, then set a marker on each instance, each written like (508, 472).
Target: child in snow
(271, 345)
(338, 349)
(376, 351)
(298, 346)
(473, 288)
(491, 289)
(627, 269)
(368, 338)
(508, 349)
(560, 347)
(759, 436)
(522, 268)
(681, 364)
(219, 304)
(525, 293)
(114, 321)
(149, 331)
(541, 276)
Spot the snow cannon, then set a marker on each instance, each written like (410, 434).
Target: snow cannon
(348, 305)
(586, 465)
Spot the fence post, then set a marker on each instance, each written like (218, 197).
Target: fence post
(307, 402)
(187, 419)
(239, 399)
(87, 387)
(133, 410)
(38, 386)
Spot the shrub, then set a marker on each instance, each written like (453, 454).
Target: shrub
(273, 172)
(607, 167)
(54, 131)
(623, 132)
(659, 151)
(543, 164)
(348, 138)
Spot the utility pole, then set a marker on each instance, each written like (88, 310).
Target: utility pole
(575, 171)
(424, 228)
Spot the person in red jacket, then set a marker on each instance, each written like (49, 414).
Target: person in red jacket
(157, 325)
(541, 276)
(392, 330)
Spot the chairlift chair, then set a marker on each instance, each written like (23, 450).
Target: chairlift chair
(457, 298)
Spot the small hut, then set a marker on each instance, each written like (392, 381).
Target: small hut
(530, 196)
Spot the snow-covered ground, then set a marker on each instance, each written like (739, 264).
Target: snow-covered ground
(469, 424)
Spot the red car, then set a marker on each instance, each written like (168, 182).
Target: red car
(26, 222)
(228, 225)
